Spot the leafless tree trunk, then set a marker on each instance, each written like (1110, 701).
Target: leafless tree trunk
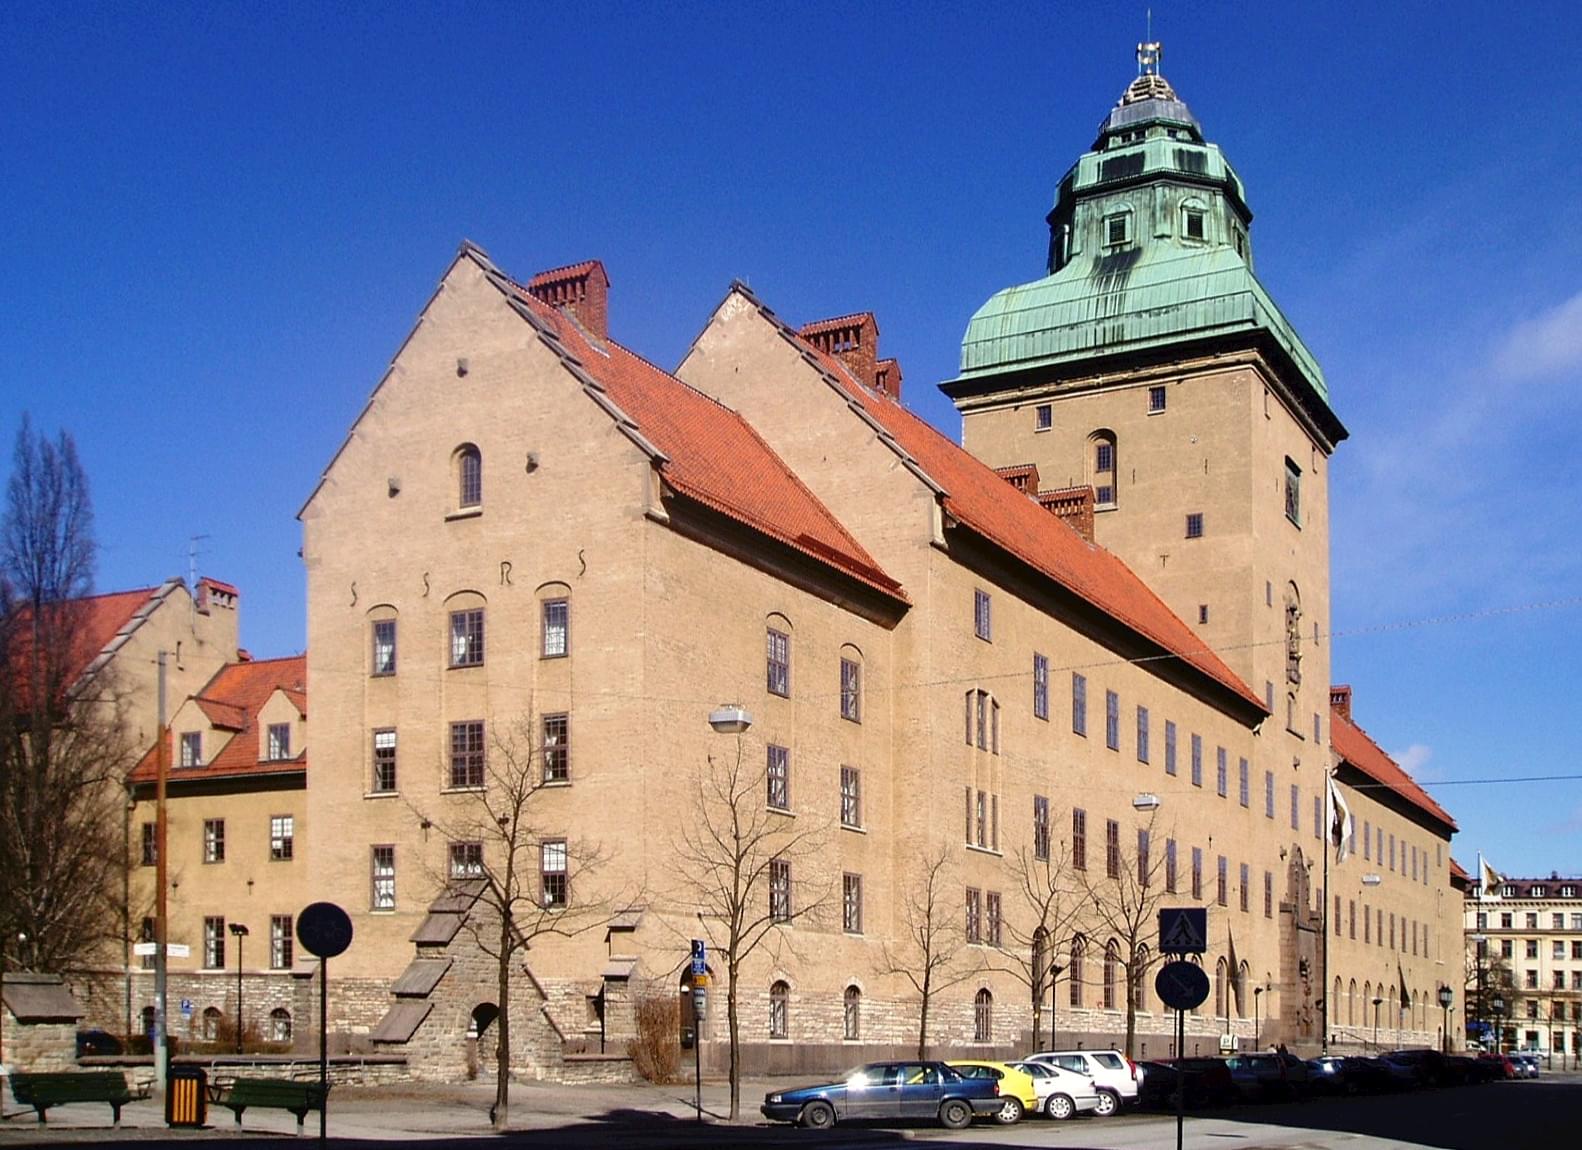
(1041, 928)
(1123, 906)
(746, 869)
(63, 749)
(504, 875)
(930, 954)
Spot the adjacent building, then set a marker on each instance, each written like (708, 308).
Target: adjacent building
(1524, 962)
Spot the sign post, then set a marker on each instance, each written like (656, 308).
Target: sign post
(325, 930)
(700, 1011)
(1182, 985)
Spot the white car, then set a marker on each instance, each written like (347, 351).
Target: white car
(1060, 1092)
(1114, 1075)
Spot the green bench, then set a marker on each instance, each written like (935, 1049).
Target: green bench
(42, 1091)
(272, 1094)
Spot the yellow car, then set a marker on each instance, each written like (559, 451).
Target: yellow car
(1016, 1087)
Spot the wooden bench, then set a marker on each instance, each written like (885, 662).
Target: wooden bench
(42, 1091)
(272, 1094)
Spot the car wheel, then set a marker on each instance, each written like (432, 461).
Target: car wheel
(1108, 1103)
(1010, 1111)
(955, 1114)
(818, 1116)
(1059, 1107)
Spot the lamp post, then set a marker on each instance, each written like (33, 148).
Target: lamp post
(238, 932)
(1257, 993)
(21, 938)
(1377, 1002)
(1445, 995)
(1498, 1005)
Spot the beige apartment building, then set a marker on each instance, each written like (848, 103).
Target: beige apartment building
(1532, 928)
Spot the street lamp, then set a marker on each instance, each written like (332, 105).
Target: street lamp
(1257, 992)
(21, 938)
(1445, 995)
(1147, 801)
(239, 932)
(1377, 1002)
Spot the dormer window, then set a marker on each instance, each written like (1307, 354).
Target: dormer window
(1193, 223)
(1117, 229)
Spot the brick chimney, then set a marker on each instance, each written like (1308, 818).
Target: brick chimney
(854, 340)
(211, 593)
(1340, 700)
(582, 289)
(887, 378)
(1022, 476)
(1074, 505)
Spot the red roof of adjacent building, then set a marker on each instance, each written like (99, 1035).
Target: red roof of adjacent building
(236, 694)
(1458, 872)
(92, 624)
(706, 451)
(1353, 745)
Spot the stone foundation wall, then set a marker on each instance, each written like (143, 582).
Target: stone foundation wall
(38, 1046)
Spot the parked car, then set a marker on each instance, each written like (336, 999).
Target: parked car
(1463, 1071)
(1061, 1093)
(1208, 1083)
(96, 1042)
(1428, 1066)
(1367, 1076)
(888, 1091)
(1266, 1076)
(1017, 1094)
(1327, 1075)
(1527, 1064)
(1112, 1072)
(1497, 1065)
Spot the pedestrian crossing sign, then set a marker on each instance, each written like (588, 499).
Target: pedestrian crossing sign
(1183, 930)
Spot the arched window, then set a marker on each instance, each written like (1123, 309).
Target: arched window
(1221, 1002)
(1351, 1003)
(280, 1025)
(1196, 960)
(1110, 959)
(1241, 991)
(779, 1009)
(469, 477)
(1194, 220)
(852, 1014)
(1103, 468)
(209, 1027)
(1078, 946)
(1334, 1003)
(1041, 978)
(983, 1016)
(1139, 979)
(148, 1021)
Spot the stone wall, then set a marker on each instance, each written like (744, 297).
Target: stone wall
(38, 1046)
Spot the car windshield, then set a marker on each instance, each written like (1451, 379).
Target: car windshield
(1109, 1061)
(1036, 1069)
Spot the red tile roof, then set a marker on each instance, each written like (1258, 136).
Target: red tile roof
(706, 451)
(1458, 872)
(569, 272)
(92, 623)
(855, 319)
(1353, 745)
(983, 501)
(240, 689)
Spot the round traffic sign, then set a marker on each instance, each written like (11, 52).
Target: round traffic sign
(1181, 985)
(324, 929)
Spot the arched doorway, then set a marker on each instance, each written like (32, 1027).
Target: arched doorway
(483, 1038)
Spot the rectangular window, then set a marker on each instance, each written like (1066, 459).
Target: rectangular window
(553, 873)
(149, 933)
(1043, 417)
(1245, 875)
(214, 943)
(1243, 783)
(282, 837)
(851, 903)
(384, 877)
(1040, 686)
(1115, 229)
(192, 749)
(1532, 948)
(974, 915)
(1079, 839)
(779, 664)
(1112, 848)
(1194, 223)
(1293, 492)
(466, 860)
(213, 840)
(1170, 866)
(384, 781)
(280, 942)
(466, 754)
(1194, 525)
(1202, 612)
(556, 749)
(1268, 899)
(1041, 828)
(556, 638)
(384, 653)
(1351, 918)
(1318, 817)
(779, 778)
(1367, 923)
(1392, 857)
(991, 917)
(1268, 794)
(1222, 882)
(851, 690)
(1296, 807)
(279, 741)
(1221, 773)
(1079, 704)
(150, 844)
(779, 890)
(1197, 872)
(1142, 734)
(1197, 760)
(850, 797)
(1112, 720)
(1156, 400)
(1170, 747)
(1143, 844)
(1318, 730)
(466, 638)
(982, 622)
(1367, 840)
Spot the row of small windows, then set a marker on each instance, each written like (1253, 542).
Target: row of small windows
(851, 1017)
(1507, 919)
(211, 1020)
(281, 942)
(468, 761)
(1104, 442)
(1410, 861)
(777, 674)
(276, 747)
(282, 840)
(1119, 227)
(1413, 935)
(466, 860)
(466, 637)
(1537, 890)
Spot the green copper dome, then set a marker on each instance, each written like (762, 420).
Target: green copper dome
(1150, 249)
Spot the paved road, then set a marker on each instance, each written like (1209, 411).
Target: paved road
(1502, 1115)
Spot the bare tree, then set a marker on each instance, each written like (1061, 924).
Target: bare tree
(63, 746)
(738, 858)
(501, 858)
(1041, 928)
(930, 954)
(1122, 904)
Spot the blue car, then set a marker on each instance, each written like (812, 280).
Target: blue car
(888, 1091)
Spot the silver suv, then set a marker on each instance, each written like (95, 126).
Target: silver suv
(1114, 1075)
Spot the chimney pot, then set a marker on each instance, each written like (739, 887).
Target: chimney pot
(581, 290)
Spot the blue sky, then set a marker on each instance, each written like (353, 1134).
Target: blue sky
(220, 221)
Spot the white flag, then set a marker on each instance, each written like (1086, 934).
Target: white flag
(1340, 822)
(1488, 876)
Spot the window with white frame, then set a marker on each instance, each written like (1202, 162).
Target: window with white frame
(213, 840)
(466, 860)
(556, 629)
(779, 890)
(384, 647)
(281, 942)
(279, 741)
(1041, 828)
(851, 903)
(383, 876)
(851, 1014)
(214, 942)
(554, 875)
(192, 748)
(282, 833)
(779, 663)
(1043, 417)
(556, 748)
(779, 1009)
(779, 778)
(850, 797)
(466, 637)
(384, 774)
(851, 690)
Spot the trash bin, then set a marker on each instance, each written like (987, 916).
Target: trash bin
(187, 1096)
